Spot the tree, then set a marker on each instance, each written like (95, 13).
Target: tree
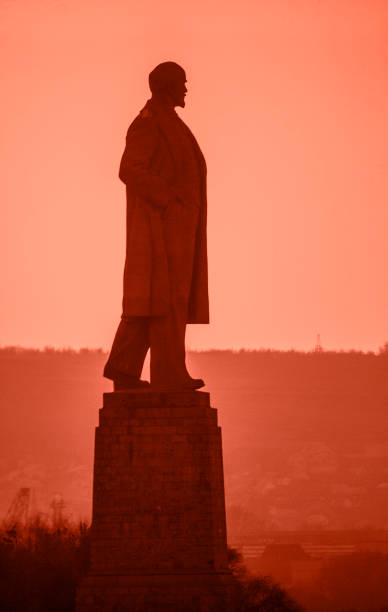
(257, 593)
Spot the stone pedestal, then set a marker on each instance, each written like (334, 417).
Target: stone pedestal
(158, 536)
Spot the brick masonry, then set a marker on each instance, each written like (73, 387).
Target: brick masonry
(158, 537)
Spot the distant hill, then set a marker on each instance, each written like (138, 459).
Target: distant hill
(305, 435)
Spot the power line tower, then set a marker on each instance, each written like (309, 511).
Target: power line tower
(318, 346)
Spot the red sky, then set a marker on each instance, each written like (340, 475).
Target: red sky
(288, 100)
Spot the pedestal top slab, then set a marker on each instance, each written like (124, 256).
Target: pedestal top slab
(149, 397)
(124, 407)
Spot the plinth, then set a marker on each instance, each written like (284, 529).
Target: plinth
(158, 535)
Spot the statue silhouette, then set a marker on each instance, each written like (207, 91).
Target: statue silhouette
(165, 274)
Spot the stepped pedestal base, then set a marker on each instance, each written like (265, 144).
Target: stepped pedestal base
(158, 536)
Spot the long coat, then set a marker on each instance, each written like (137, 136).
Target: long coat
(150, 168)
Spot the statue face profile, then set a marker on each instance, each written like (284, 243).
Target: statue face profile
(177, 90)
(169, 79)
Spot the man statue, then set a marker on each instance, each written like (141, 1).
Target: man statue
(165, 275)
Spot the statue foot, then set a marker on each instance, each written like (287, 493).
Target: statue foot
(195, 383)
(129, 382)
(189, 384)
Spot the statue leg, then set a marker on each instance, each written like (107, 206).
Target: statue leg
(129, 349)
(168, 355)
(167, 339)
(167, 334)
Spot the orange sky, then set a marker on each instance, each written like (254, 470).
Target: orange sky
(288, 100)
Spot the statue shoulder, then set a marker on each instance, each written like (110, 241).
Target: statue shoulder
(146, 113)
(145, 121)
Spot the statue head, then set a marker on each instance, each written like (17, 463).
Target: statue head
(169, 80)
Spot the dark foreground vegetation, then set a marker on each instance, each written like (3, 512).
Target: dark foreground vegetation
(259, 593)
(41, 565)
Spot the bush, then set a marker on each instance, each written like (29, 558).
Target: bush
(257, 593)
(40, 566)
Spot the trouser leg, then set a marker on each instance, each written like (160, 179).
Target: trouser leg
(167, 339)
(129, 348)
(167, 334)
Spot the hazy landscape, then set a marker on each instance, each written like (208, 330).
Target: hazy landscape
(305, 450)
(304, 434)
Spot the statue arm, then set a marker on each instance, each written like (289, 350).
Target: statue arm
(135, 168)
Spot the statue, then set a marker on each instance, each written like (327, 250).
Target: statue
(165, 274)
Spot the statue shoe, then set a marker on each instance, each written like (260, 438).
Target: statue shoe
(188, 384)
(195, 383)
(123, 383)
